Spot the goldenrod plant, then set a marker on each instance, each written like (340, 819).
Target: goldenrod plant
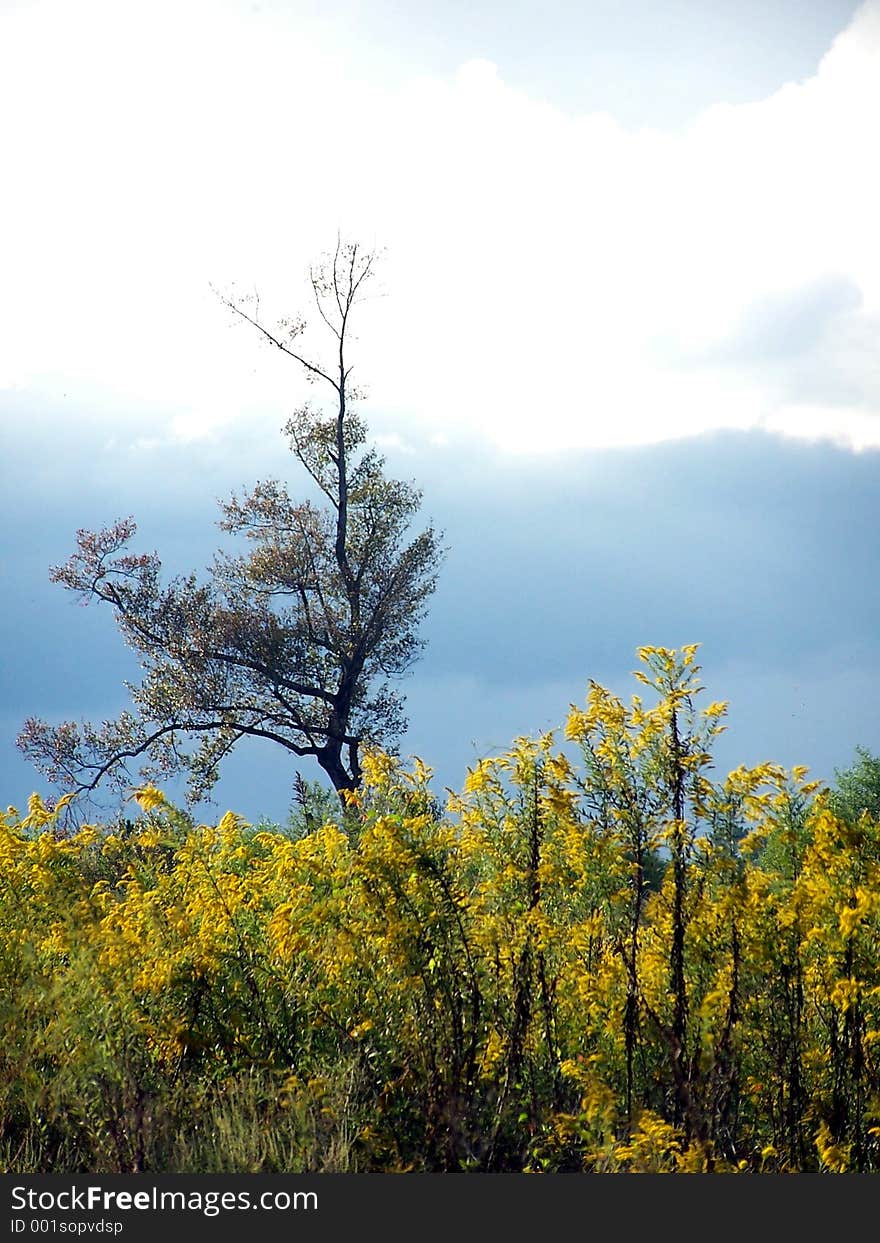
(598, 957)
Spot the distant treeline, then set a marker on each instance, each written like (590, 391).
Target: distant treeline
(595, 958)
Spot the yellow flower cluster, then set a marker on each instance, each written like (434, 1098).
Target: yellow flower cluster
(598, 958)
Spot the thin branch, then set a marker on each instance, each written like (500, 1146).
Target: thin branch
(320, 305)
(312, 368)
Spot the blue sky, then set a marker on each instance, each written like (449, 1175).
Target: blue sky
(627, 344)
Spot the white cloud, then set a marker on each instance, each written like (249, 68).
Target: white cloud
(552, 279)
(846, 428)
(392, 440)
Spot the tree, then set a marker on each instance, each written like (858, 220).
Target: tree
(295, 640)
(857, 788)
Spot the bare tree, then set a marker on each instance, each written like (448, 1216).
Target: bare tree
(295, 640)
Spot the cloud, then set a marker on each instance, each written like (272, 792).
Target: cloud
(784, 325)
(555, 281)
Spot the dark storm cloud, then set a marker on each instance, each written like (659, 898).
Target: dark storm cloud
(760, 549)
(738, 540)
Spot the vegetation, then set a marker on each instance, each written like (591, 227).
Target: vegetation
(595, 959)
(857, 788)
(294, 641)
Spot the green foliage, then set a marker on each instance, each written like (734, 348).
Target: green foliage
(857, 788)
(596, 958)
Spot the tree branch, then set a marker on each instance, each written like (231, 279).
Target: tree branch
(312, 368)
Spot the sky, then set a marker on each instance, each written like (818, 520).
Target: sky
(626, 341)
